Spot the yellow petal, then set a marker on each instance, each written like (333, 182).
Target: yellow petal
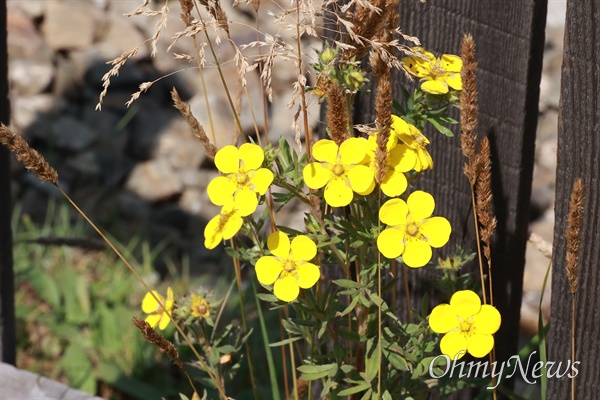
(316, 175)
(170, 298)
(417, 67)
(227, 160)
(268, 269)
(220, 190)
(402, 158)
(394, 183)
(416, 253)
(389, 242)
(149, 304)
(454, 344)
(338, 193)
(361, 177)
(279, 244)
(479, 345)
(164, 322)
(212, 235)
(442, 319)
(246, 202)
(487, 320)
(437, 231)
(434, 86)
(303, 248)
(153, 319)
(421, 205)
(232, 226)
(286, 289)
(353, 150)
(251, 155)
(325, 150)
(453, 80)
(369, 189)
(451, 63)
(308, 275)
(424, 160)
(393, 212)
(399, 126)
(465, 303)
(261, 179)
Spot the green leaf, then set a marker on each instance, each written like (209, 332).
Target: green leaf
(114, 376)
(372, 364)
(354, 389)
(347, 283)
(46, 287)
(285, 341)
(78, 368)
(440, 127)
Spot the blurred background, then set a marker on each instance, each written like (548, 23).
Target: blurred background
(141, 175)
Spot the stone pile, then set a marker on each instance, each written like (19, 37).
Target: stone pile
(139, 164)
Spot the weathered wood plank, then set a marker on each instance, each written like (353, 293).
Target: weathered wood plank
(7, 292)
(578, 152)
(19, 384)
(509, 36)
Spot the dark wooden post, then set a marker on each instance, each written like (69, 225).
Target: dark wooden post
(509, 38)
(578, 153)
(7, 290)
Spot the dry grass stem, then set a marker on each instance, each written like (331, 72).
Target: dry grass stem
(337, 115)
(572, 233)
(468, 107)
(158, 340)
(483, 194)
(30, 158)
(193, 123)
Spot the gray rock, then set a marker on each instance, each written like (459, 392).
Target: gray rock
(154, 181)
(70, 25)
(29, 77)
(24, 40)
(27, 109)
(31, 8)
(118, 36)
(71, 135)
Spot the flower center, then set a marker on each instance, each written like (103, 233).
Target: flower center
(289, 266)
(338, 170)
(242, 178)
(436, 70)
(412, 229)
(465, 326)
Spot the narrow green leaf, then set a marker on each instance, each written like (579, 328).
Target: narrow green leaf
(354, 389)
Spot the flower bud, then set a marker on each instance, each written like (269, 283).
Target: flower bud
(354, 79)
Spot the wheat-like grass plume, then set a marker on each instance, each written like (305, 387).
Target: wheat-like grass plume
(193, 123)
(158, 340)
(468, 107)
(573, 234)
(337, 115)
(483, 194)
(30, 158)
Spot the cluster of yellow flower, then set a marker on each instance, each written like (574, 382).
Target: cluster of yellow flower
(237, 190)
(437, 74)
(194, 306)
(350, 168)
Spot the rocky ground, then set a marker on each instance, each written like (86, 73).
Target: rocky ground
(141, 164)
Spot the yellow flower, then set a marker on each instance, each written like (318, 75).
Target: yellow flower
(200, 307)
(243, 178)
(288, 269)
(400, 159)
(157, 314)
(413, 138)
(339, 169)
(411, 231)
(437, 74)
(223, 226)
(468, 325)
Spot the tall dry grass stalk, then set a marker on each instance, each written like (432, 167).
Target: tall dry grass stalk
(193, 123)
(468, 137)
(573, 236)
(34, 162)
